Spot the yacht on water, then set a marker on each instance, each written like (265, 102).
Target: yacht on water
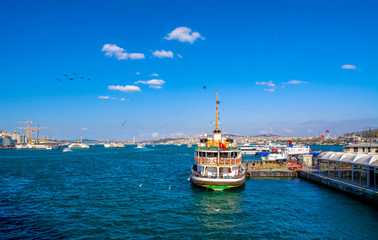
(114, 145)
(217, 162)
(78, 145)
(140, 145)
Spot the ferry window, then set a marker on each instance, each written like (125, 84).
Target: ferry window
(224, 155)
(202, 154)
(212, 154)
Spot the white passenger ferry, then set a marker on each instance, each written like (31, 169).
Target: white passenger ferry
(218, 161)
(286, 152)
(78, 145)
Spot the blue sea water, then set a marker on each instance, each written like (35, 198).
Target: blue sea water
(132, 193)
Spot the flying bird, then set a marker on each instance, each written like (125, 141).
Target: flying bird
(71, 79)
(82, 77)
(169, 188)
(217, 209)
(124, 123)
(89, 79)
(204, 87)
(141, 185)
(58, 80)
(74, 73)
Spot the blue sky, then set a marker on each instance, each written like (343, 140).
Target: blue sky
(301, 67)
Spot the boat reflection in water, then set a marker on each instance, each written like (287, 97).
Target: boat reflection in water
(219, 211)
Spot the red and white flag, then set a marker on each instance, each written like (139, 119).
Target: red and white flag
(322, 136)
(221, 145)
(327, 131)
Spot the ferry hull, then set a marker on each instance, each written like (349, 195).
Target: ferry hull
(217, 184)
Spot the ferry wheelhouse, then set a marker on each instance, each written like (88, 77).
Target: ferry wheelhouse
(217, 162)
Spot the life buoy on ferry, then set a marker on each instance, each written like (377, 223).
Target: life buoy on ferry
(274, 150)
(221, 161)
(233, 161)
(208, 160)
(227, 161)
(214, 161)
(203, 160)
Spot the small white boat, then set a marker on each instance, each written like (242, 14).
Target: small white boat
(78, 145)
(114, 145)
(67, 150)
(140, 145)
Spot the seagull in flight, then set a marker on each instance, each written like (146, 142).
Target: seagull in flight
(217, 209)
(141, 185)
(124, 123)
(169, 188)
(204, 87)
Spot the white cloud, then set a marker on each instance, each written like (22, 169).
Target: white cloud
(154, 75)
(137, 73)
(84, 129)
(151, 82)
(348, 66)
(270, 83)
(103, 97)
(122, 99)
(163, 54)
(184, 34)
(155, 87)
(127, 88)
(295, 82)
(178, 134)
(287, 130)
(263, 132)
(269, 89)
(155, 134)
(136, 55)
(120, 53)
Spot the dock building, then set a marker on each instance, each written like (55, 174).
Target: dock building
(355, 173)
(361, 148)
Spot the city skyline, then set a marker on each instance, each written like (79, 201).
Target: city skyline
(124, 69)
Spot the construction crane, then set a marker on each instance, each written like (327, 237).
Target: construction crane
(27, 128)
(30, 130)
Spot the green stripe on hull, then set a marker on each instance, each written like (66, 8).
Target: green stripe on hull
(219, 187)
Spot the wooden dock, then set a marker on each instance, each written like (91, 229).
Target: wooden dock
(268, 170)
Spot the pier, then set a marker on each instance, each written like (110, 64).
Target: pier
(351, 173)
(258, 169)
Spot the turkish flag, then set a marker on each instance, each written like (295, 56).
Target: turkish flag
(221, 145)
(322, 136)
(327, 131)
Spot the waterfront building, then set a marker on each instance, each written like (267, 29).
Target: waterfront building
(362, 148)
(359, 169)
